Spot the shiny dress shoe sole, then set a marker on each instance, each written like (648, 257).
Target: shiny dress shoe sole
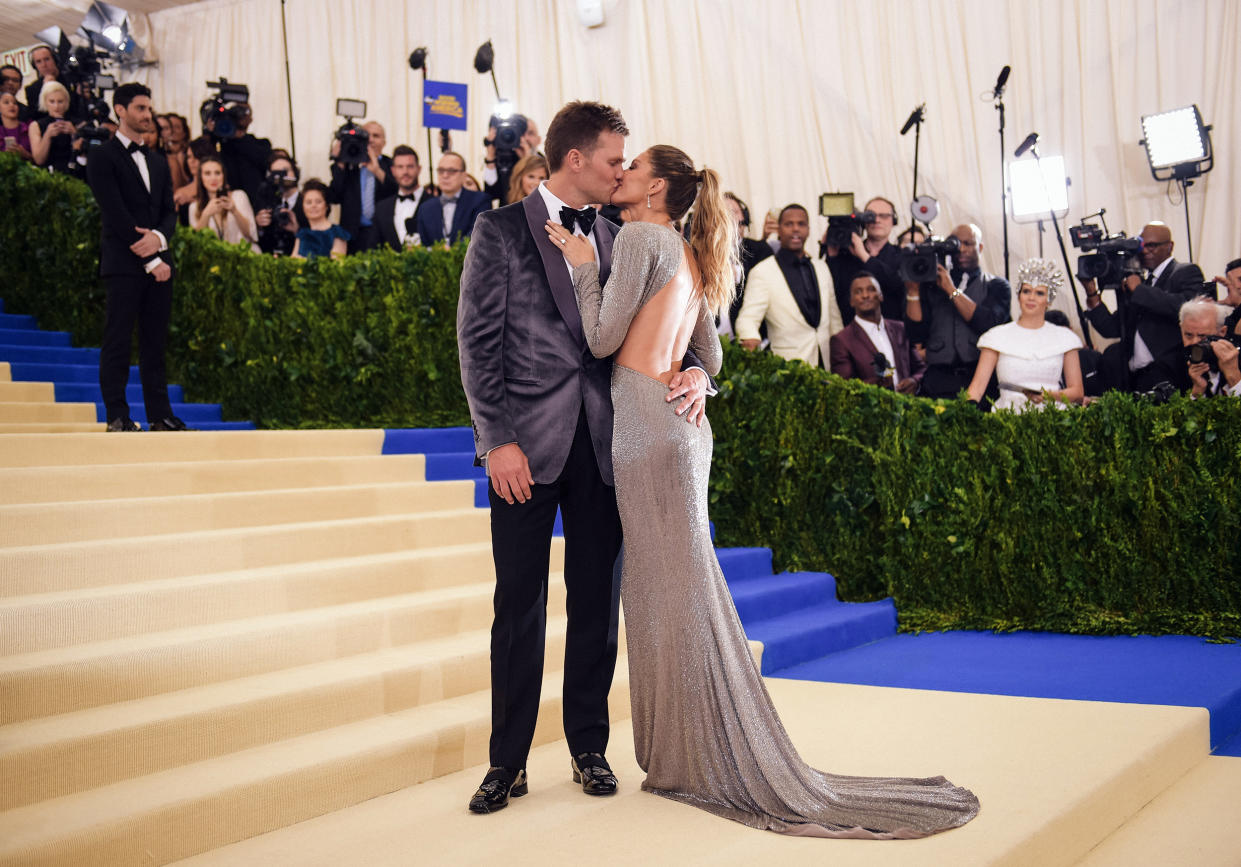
(485, 801)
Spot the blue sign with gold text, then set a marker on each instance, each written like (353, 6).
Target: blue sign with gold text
(444, 104)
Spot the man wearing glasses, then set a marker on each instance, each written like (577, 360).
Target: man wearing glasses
(11, 82)
(450, 217)
(874, 253)
(1146, 319)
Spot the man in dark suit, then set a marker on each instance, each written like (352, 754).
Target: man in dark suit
(872, 347)
(451, 216)
(138, 217)
(396, 216)
(948, 316)
(358, 188)
(1146, 319)
(877, 255)
(542, 414)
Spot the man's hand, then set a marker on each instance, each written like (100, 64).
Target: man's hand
(1227, 354)
(510, 473)
(161, 272)
(263, 217)
(146, 246)
(945, 280)
(1198, 373)
(770, 226)
(908, 385)
(750, 344)
(858, 247)
(1132, 281)
(690, 388)
(374, 168)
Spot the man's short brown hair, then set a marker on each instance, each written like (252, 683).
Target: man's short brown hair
(578, 126)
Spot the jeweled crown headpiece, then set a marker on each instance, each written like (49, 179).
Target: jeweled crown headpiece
(1040, 272)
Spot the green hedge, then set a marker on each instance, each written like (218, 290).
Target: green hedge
(1122, 517)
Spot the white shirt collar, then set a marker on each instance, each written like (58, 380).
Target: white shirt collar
(876, 327)
(125, 140)
(554, 203)
(1158, 270)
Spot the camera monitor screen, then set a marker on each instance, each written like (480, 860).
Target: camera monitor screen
(351, 107)
(835, 204)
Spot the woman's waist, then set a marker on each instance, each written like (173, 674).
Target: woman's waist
(655, 367)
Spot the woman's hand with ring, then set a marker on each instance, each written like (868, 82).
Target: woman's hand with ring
(576, 248)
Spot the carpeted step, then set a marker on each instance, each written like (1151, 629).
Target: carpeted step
(793, 638)
(33, 392)
(83, 520)
(44, 621)
(739, 564)
(775, 595)
(30, 337)
(47, 427)
(64, 679)
(222, 425)
(76, 565)
(190, 413)
(400, 441)
(263, 788)
(42, 757)
(19, 321)
(36, 354)
(26, 412)
(30, 371)
(78, 392)
(444, 466)
(120, 481)
(26, 451)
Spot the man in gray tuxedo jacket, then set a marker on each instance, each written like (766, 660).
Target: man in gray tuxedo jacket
(542, 415)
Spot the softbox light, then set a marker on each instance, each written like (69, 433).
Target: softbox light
(1038, 187)
(1178, 144)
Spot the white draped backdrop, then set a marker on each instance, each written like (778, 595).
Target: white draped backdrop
(786, 98)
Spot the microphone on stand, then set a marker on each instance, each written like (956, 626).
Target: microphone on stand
(1030, 141)
(1001, 81)
(915, 116)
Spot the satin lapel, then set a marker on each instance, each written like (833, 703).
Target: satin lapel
(128, 161)
(605, 234)
(901, 359)
(860, 336)
(553, 264)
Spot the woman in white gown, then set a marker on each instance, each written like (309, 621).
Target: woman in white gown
(1029, 356)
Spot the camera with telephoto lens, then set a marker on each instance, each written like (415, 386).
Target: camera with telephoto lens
(1106, 259)
(225, 111)
(919, 263)
(1196, 353)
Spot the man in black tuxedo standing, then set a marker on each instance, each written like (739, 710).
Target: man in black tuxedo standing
(396, 216)
(1146, 320)
(358, 188)
(138, 217)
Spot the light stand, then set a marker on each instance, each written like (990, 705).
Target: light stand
(418, 60)
(915, 119)
(288, 82)
(999, 106)
(1064, 252)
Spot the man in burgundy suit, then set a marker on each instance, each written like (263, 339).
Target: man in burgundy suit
(872, 348)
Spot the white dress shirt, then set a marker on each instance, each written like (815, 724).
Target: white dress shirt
(879, 337)
(140, 161)
(554, 204)
(404, 210)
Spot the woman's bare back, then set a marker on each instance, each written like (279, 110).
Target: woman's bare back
(660, 331)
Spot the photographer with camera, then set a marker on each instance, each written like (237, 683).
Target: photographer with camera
(280, 213)
(868, 248)
(948, 315)
(1231, 281)
(244, 155)
(359, 180)
(1210, 355)
(1147, 315)
(47, 68)
(509, 141)
(225, 212)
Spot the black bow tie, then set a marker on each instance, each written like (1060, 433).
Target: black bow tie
(584, 218)
(402, 197)
(134, 147)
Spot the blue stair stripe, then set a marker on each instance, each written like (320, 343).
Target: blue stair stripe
(190, 413)
(32, 372)
(425, 441)
(48, 354)
(775, 595)
(26, 337)
(739, 564)
(810, 633)
(449, 466)
(18, 321)
(82, 392)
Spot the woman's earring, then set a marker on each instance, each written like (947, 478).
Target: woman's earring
(648, 201)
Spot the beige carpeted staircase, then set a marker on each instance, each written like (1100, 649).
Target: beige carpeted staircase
(32, 406)
(207, 636)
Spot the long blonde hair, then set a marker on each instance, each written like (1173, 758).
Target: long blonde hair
(527, 165)
(713, 231)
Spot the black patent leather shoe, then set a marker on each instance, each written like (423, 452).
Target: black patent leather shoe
(168, 424)
(498, 786)
(594, 773)
(123, 425)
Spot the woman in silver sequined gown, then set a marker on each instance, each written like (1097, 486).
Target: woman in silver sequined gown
(705, 731)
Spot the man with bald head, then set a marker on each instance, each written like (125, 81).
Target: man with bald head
(357, 188)
(1146, 318)
(948, 316)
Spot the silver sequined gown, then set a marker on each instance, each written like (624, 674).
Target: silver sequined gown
(704, 728)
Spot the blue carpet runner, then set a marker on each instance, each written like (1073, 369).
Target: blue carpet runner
(47, 356)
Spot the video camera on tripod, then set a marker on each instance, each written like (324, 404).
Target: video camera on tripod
(1106, 259)
(355, 142)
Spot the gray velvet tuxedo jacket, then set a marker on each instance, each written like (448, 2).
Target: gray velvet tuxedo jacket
(525, 365)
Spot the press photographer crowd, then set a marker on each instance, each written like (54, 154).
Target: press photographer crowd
(906, 311)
